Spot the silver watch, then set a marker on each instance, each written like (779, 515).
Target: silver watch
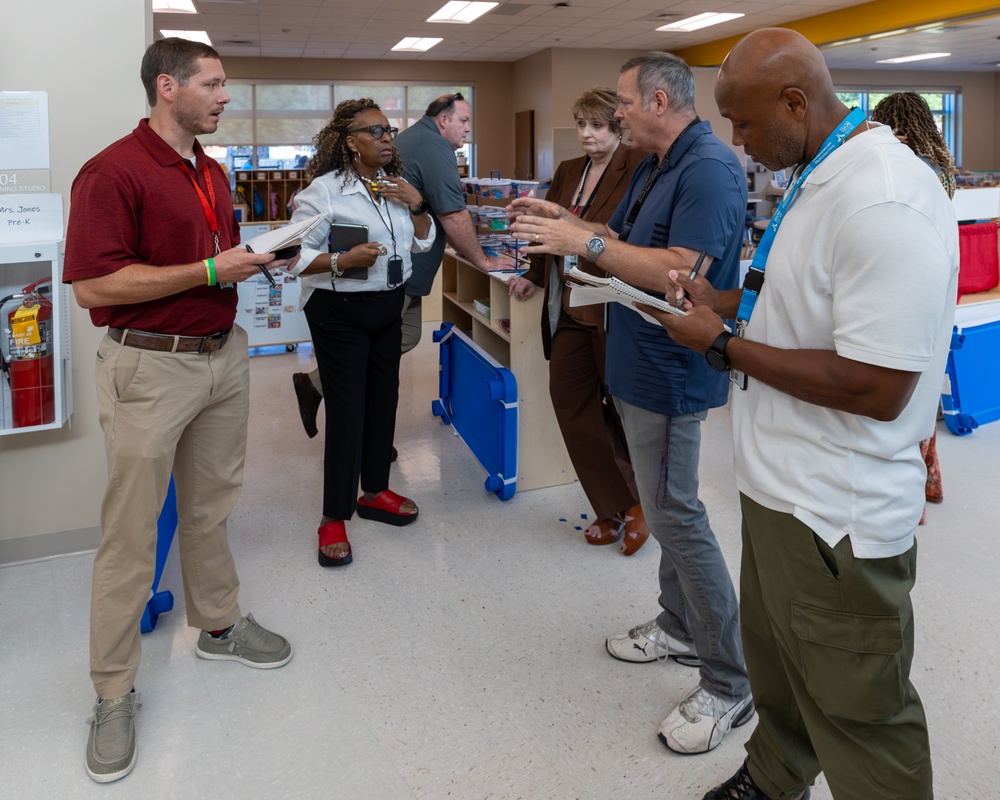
(595, 246)
(333, 265)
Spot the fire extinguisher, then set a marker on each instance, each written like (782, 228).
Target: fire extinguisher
(29, 366)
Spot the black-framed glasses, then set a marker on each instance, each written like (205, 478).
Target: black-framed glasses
(442, 104)
(377, 131)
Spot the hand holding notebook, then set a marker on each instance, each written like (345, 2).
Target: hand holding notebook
(587, 289)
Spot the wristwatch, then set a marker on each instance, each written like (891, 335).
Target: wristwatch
(333, 265)
(423, 208)
(595, 246)
(716, 353)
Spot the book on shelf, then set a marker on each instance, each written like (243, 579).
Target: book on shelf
(588, 290)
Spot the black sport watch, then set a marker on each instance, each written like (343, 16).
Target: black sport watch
(423, 208)
(716, 353)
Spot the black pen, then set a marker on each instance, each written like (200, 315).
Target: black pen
(694, 272)
(264, 269)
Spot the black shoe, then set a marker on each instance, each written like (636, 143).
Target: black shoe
(309, 400)
(742, 787)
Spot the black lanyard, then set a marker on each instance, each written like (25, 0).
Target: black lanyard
(654, 174)
(388, 225)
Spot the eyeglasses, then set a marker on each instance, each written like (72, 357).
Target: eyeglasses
(442, 104)
(377, 131)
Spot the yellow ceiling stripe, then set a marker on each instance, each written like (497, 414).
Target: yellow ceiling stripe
(879, 16)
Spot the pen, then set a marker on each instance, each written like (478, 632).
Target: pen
(264, 269)
(694, 272)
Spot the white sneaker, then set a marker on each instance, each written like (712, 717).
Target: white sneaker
(650, 642)
(702, 720)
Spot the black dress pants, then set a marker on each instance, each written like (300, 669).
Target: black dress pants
(356, 339)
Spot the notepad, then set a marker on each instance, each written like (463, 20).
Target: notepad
(588, 290)
(284, 237)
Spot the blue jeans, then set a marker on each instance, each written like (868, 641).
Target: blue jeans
(696, 592)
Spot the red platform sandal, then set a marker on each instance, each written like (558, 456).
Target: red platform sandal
(333, 532)
(385, 507)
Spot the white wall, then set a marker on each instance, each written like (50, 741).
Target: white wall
(86, 57)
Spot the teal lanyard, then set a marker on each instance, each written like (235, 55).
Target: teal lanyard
(754, 280)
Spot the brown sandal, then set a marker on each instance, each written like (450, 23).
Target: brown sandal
(604, 531)
(636, 530)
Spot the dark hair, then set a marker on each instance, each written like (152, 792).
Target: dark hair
(442, 104)
(175, 57)
(908, 114)
(659, 70)
(599, 103)
(332, 152)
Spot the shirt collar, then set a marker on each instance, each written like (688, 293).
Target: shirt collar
(162, 152)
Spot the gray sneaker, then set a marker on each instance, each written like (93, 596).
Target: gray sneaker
(248, 643)
(650, 642)
(111, 750)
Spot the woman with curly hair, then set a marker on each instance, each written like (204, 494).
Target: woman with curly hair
(353, 301)
(910, 118)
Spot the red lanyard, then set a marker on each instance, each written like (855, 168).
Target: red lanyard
(209, 207)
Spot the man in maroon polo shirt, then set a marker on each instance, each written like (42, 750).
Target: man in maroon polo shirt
(152, 250)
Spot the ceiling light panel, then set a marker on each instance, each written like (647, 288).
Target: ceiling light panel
(699, 21)
(460, 12)
(194, 36)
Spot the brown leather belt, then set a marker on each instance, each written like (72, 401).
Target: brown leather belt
(166, 343)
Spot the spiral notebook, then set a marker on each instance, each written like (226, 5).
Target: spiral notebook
(588, 290)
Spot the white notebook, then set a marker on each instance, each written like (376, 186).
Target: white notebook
(588, 290)
(285, 236)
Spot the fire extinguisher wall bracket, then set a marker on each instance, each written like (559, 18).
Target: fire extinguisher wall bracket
(35, 384)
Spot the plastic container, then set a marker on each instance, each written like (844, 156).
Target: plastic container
(525, 188)
(496, 188)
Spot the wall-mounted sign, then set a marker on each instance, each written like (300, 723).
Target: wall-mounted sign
(31, 218)
(24, 130)
(25, 181)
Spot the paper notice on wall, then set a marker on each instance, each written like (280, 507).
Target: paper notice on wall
(24, 130)
(31, 218)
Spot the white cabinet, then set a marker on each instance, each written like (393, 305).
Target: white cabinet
(36, 388)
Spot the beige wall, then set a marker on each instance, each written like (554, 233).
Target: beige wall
(51, 482)
(493, 119)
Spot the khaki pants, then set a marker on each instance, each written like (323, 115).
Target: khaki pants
(184, 413)
(828, 641)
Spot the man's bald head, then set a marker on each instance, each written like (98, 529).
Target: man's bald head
(776, 58)
(774, 86)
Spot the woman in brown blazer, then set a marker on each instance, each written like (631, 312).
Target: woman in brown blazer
(574, 339)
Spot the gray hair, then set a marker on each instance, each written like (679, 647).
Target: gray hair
(666, 72)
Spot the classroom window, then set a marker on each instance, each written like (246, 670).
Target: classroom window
(272, 125)
(944, 106)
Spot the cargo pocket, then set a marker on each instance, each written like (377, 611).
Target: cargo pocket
(852, 663)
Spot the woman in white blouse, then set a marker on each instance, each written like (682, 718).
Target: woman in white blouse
(353, 301)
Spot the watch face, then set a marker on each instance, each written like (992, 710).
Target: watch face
(717, 360)
(595, 247)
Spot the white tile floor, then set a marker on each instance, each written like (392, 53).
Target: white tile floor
(460, 658)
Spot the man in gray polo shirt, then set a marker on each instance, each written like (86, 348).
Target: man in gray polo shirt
(428, 150)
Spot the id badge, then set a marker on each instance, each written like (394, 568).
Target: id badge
(395, 271)
(570, 262)
(737, 378)
(226, 286)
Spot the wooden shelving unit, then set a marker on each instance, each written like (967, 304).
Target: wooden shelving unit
(274, 187)
(542, 457)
